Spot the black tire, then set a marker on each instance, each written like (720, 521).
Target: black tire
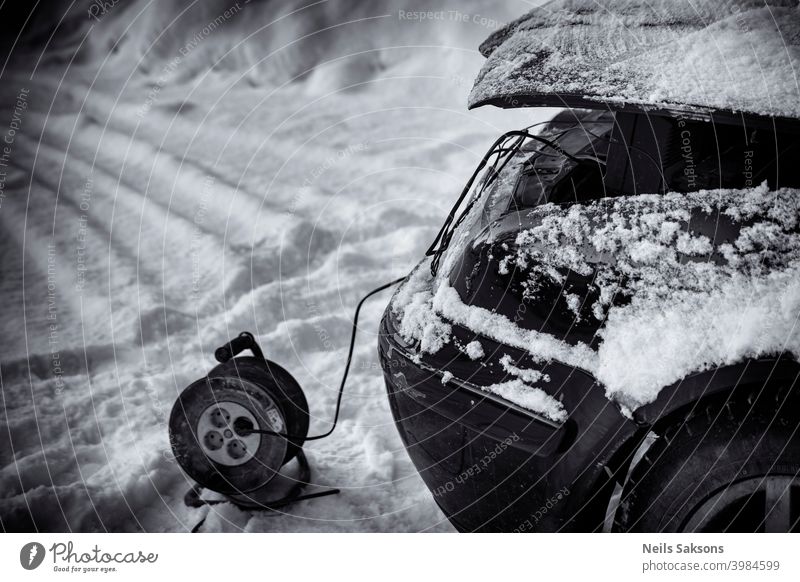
(281, 387)
(730, 466)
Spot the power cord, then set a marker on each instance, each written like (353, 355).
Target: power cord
(244, 430)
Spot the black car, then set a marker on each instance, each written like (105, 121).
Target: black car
(602, 336)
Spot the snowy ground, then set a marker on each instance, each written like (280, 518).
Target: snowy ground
(152, 208)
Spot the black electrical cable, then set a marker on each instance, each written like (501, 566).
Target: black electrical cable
(499, 148)
(451, 226)
(268, 507)
(193, 496)
(244, 430)
(442, 239)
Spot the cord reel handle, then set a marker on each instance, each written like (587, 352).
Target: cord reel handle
(244, 341)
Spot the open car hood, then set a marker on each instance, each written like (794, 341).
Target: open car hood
(688, 56)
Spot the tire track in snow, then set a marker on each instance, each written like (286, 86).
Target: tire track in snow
(146, 231)
(184, 188)
(184, 140)
(268, 241)
(49, 274)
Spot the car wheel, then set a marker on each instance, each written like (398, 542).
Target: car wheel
(732, 466)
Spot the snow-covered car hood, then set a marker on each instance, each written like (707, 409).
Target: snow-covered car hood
(672, 301)
(679, 55)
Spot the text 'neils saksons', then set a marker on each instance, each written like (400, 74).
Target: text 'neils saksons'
(664, 548)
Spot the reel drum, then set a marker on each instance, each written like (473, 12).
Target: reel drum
(211, 422)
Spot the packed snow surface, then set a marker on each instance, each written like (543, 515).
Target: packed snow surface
(182, 171)
(739, 55)
(673, 301)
